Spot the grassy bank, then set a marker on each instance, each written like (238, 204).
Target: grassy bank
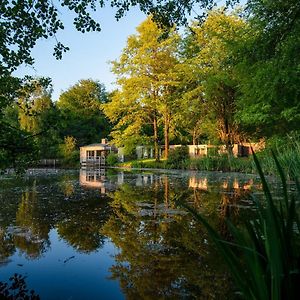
(288, 157)
(217, 163)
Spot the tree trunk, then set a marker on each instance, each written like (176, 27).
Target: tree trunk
(167, 134)
(155, 133)
(166, 196)
(228, 139)
(194, 137)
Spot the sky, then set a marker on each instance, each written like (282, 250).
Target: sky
(89, 53)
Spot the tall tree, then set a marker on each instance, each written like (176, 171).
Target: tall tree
(36, 112)
(146, 74)
(213, 74)
(18, 145)
(81, 112)
(269, 68)
(25, 22)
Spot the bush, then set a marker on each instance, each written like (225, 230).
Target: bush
(112, 159)
(178, 156)
(69, 153)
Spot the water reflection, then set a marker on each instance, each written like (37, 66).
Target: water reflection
(159, 250)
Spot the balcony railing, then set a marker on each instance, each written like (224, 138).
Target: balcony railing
(93, 160)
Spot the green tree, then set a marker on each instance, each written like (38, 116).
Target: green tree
(18, 147)
(25, 22)
(269, 68)
(213, 82)
(146, 74)
(81, 112)
(36, 112)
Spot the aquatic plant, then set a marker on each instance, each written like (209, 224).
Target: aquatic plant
(264, 255)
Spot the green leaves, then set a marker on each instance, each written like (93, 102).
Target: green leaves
(81, 112)
(25, 22)
(264, 257)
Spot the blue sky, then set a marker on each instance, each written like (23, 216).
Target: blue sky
(89, 52)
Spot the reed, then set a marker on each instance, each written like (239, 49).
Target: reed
(264, 256)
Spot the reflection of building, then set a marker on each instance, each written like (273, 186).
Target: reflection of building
(144, 179)
(198, 183)
(94, 155)
(95, 178)
(236, 185)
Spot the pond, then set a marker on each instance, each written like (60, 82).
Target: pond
(108, 234)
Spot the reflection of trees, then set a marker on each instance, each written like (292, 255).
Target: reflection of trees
(231, 197)
(7, 247)
(68, 188)
(82, 223)
(16, 288)
(220, 205)
(163, 253)
(33, 239)
(27, 217)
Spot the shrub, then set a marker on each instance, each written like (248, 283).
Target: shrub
(178, 156)
(112, 159)
(68, 152)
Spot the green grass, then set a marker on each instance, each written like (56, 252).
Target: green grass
(144, 163)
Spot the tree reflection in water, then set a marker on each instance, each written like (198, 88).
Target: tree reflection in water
(27, 218)
(163, 253)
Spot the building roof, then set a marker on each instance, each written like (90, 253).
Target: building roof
(98, 145)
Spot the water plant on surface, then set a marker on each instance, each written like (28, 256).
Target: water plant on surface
(264, 257)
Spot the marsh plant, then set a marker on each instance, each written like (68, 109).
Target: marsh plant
(264, 256)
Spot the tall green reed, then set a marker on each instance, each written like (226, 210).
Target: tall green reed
(264, 257)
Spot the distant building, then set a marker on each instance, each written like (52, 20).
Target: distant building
(95, 154)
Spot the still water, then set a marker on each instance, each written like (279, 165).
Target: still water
(119, 235)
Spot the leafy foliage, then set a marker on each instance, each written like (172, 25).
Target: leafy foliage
(178, 156)
(112, 159)
(18, 146)
(25, 22)
(269, 68)
(146, 75)
(268, 265)
(81, 113)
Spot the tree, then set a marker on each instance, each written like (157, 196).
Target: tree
(24, 22)
(130, 119)
(81, 112)
(269, 68)
(18, 147)
(36, 112)
(213, 76)
(147, 78)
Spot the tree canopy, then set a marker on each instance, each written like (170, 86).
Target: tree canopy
(81, 113)
(146, 76)
(24, 22)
